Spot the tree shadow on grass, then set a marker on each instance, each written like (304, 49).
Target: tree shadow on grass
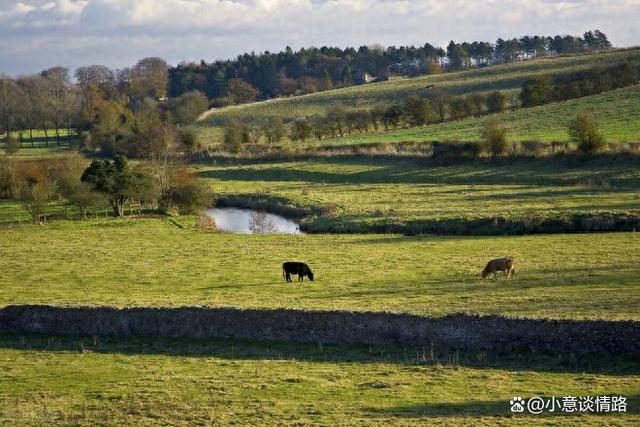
(232, 349)
(395, 170)
(499, 408)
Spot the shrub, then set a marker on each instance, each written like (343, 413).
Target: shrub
(186, 194)
(496, 102)
(495, 137)
(191, 140)
(440, 100)
(187, 107)
(476, 103)
(35, 189)
(300, 130)
(9, 184)
(459, 108)
(233, 136)
(392, 116)
(274, 130)
(418, 111)
(12, 145)
(206, 223)
(251, 134)
(536, 91)
(533, 148)
(584, 131)
(76, 192)
(452, 150)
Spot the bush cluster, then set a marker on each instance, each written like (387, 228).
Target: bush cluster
(543, 89)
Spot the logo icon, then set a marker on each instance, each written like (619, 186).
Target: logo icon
(517, 404)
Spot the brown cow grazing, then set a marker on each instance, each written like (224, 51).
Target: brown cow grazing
(507, 264)
(299, 268)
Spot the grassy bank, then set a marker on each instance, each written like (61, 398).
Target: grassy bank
(154, 263)
(361, 193)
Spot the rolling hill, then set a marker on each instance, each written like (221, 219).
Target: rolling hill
(507, 78)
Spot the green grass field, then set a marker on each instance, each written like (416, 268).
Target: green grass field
(506, 77)
(379, 190)
(79, 381)
(168, 262)
(154, 263)
(618, 113)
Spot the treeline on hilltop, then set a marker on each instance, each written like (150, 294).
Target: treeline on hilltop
(266, 75)
(129, 111)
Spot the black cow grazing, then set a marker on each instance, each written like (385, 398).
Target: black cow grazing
(299, 268)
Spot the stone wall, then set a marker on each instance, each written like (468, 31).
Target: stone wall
(486, 333)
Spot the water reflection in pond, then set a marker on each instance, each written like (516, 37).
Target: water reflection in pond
(248, 221)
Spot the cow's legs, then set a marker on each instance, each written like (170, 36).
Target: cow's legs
(300, 277)
(288, 277)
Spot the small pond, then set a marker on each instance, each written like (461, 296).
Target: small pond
(248, 221)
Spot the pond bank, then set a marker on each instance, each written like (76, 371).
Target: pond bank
(326, 219)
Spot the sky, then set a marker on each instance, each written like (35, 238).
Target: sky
(37, 34)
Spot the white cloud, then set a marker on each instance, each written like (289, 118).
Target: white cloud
(38, 33)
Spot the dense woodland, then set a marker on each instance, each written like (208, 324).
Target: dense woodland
(309, 70)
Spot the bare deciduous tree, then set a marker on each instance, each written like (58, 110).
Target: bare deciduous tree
(259, 223)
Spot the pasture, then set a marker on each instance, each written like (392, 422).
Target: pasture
(169, 262)
(80, 380)
(152, 262)
(507, 78)
(365, 191)
(617, 111)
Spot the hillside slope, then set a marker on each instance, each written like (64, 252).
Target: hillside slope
(617, 111)
(507, 77)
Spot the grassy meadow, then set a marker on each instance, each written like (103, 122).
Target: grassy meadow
(370, 190)
(507, 78)
(102, 381)
(617, 112)
(152, 262)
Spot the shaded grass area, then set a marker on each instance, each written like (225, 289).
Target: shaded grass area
(152, 262)
(507, 77)
(137, 381)
(364, 192)
(38, 153)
